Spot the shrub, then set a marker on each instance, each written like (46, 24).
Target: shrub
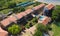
(38, 33)
(11, 5)
(39, 30)
(55, 13)
(41, 27)
(36, 3)
(27, 25)
(14, 29)
(18, 9)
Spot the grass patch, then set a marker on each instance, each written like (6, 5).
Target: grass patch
(5, 11)
(56, 30)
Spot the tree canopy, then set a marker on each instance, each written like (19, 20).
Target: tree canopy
(14, 29)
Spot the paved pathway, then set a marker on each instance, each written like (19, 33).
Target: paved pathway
(30, 31)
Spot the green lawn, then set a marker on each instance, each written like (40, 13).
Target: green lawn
(56, 29)
(6, 11)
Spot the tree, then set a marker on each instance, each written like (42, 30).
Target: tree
(18, 9)
(14, 29)
(40, 30)
(37, 3)
(41, 27)
(27, 25)
(11, 5)
(38, 33)
(55, 13)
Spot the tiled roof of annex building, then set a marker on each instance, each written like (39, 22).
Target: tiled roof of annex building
(49, 6)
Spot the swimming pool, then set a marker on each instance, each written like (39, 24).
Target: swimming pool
(41, 18)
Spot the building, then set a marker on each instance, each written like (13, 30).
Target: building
(44, 20)
(8, 20)
(21, 17)
(3, 32)
(48, 10)
(38, 9)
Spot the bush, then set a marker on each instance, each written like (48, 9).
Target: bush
(38, 33)
(37, 3)
(56, 13)
(27, 25)
(18, 9)
(11, 5)
(41, 27)
(14, 29)
(39, 30)
(34, 20)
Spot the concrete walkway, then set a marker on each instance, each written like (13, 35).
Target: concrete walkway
(30, 31)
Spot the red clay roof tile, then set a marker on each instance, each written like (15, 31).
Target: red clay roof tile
(39, 6)
(5, 22)
(28, 11)
(8, 20)
(19, 15)
(50, 6)
(12, 18)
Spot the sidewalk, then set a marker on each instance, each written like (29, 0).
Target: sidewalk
(30, 31)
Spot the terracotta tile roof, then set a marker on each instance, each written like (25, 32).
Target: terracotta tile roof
(50, 6)
(8, 20)
(5, 22)
(20, 15)
(28, 11)
(45, 20)
(12, 18)
(3, 32)
(24, 14)
(39, 6)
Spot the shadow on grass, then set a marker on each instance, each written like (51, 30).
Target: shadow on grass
(57, 23)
